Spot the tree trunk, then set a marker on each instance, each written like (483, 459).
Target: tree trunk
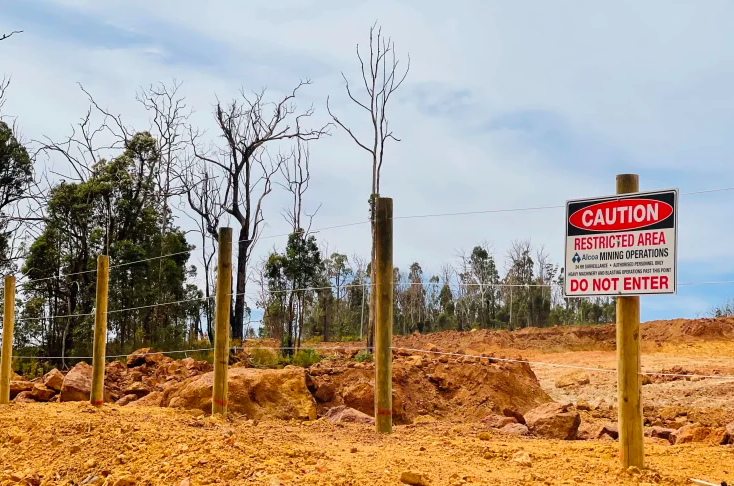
(237, 324)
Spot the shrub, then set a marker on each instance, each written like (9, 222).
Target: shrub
(363, 356)
(306, 357)
(262, 357)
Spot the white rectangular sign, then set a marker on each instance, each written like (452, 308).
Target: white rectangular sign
(622, 245)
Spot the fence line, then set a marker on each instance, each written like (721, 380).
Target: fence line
(394, 348)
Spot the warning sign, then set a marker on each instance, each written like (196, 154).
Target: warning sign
(622, 245)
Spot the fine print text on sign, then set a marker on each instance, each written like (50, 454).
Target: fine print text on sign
(622, 245)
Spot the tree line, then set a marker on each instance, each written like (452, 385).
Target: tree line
(306, 294)
(127, 192)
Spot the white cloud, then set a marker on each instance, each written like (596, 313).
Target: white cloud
(625, 87)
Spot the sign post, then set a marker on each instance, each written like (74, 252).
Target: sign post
(624, 246)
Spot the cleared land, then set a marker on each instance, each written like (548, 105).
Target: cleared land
(74, 443)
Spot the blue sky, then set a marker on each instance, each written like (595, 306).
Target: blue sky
(508, 104)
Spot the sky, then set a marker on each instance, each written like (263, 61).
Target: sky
(507, 105)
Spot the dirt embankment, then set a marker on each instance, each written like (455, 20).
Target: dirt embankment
(571, 338)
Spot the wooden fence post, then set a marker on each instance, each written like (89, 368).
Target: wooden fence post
(7, 353)
(383, 315)
(629, 386)
(100, 331)
(221, 322)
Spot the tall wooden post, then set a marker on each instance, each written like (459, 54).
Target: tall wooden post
(100, 331)
(8, 325)
(383, 315)
(221, 322)
(629, 386)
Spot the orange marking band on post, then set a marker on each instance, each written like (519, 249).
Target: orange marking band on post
(97, 402)
(220, 402)
(387, 413)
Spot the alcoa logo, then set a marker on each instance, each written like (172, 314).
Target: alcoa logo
(576, 258)
(625, 214)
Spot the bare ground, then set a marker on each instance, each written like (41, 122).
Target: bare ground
(66, 444)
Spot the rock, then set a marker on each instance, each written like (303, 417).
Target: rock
(256, 393)
(583, 405)
(137, 388)
(325, 392)
(126, 481)
(484, 436)
(343, 413)
(24, 397)
(42, 393)
(77, 384)
(360, 396)
(609, 430)
(19, 386)
(515, 429)
(498, 421)
(431, 347)
(153, 399)
(509, 412)
(54, 380)
(522, 458)
(645, 380)
(553, 421)
(137, 358)
(728, 435)
(126, 399)
(690, 433)
(586, 431)
(414, 478)
(659, 433)
(576, 378)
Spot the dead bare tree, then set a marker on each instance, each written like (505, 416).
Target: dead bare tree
(381, 76)
(8, 36)
(203, 196)
(245, 127)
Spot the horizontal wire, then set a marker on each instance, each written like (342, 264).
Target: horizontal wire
(149, 259)
(59, 276)
(158, 305)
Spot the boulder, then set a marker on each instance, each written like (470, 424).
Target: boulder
(77, 385)
(498, 421)
(54, 380)
(690, 433)
(24, 397)
(343, 413)
(659, 433)
(19, 386)
(136, 388)
(430, 347)
(553, 421)
(137, 358)
(255, 393)
(153, 399)
(583, 405)
(42, 393)
(586, 431)
(126, 399)
(510, 412)
(360, 396)
(576, 378)
(608, 430)
(515, 429)
(325, 392)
